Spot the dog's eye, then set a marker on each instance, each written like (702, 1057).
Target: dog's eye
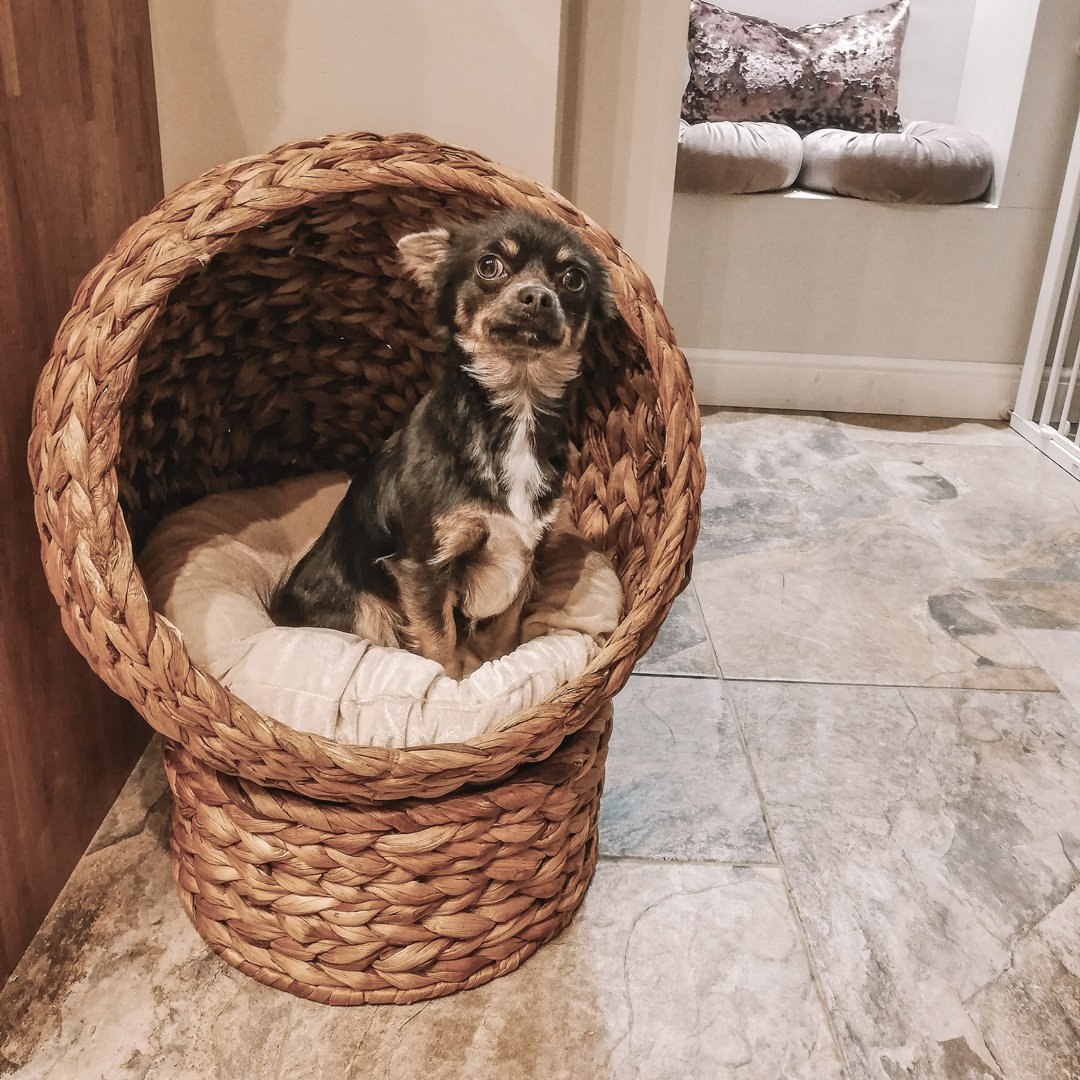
(489, 266)
(574, 279)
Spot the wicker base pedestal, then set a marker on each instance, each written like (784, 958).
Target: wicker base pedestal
(386, 902)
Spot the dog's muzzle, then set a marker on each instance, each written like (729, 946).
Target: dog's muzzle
(530, 313)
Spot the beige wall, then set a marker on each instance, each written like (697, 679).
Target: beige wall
(581, 94)
(1002, 38)
(238, 77)
(624, 63)
(830, 276)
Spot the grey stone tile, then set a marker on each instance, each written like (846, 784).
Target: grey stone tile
(142, 791)
(815, 564)
(929, 839)
(682, 647)
(677, 784)
(876, 603)
(668, 972)
(118, 985)
(748, 449)
(1002, 511)
(774, 480)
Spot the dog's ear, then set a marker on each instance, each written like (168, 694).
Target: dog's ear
(421, 254)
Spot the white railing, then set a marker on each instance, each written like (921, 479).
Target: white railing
(1048, 403)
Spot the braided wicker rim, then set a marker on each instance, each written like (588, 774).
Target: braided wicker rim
(86, 546)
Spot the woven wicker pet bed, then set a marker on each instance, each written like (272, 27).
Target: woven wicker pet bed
(256, 325)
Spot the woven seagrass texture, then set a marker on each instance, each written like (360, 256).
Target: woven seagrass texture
(391, 902)
(256, 325)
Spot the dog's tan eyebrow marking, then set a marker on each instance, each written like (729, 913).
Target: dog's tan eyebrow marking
(564, 255)
(510, 246)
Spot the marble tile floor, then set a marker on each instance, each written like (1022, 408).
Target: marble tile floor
(840, 833)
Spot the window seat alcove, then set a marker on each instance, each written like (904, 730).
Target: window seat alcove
(799, 299)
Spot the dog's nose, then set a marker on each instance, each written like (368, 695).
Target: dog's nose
(535, 296)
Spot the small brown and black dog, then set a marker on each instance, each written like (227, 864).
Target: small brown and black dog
(436, 536)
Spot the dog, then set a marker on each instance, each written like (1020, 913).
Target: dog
(433, 544)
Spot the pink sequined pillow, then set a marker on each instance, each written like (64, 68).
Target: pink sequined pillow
(840, 74)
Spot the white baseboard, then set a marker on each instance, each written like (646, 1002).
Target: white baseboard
(863, 384)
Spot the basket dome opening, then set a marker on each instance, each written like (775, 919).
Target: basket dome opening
(302, 346)
(256, 325)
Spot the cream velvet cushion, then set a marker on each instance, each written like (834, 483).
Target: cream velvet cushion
(923, 163)
(727, 157)
(209, 569)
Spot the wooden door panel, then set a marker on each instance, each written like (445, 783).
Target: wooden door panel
(79, 161)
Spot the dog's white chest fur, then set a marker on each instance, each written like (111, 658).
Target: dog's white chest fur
(521, 474)
(512, 538)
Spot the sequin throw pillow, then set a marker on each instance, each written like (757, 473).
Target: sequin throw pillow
(839, 74)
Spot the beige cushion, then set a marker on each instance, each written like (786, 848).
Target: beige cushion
(726, 157)
(209, 569)
(924, 163)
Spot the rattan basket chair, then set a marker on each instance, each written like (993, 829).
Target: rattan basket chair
(256, 325)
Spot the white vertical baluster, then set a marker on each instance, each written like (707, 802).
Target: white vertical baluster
(1054, 381)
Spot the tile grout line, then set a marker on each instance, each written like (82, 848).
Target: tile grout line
(691, 593)
(789, 681)
(705, 626)
(676, 675)
(659, 860)
(815, 974)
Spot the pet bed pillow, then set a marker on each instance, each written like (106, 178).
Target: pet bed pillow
(840, 74)
(924, 163)
(209, 569)
(726, 157)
